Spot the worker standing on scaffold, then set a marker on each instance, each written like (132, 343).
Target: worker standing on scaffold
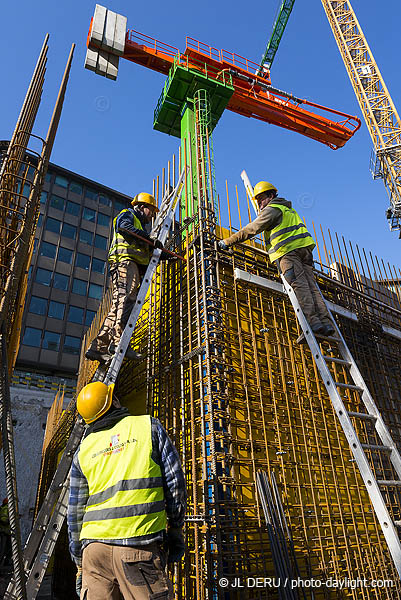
(126, 504)
(128, 261)
(290, 246)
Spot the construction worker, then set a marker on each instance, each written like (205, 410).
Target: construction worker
(128, 261)
(126, 504)
(290, 246)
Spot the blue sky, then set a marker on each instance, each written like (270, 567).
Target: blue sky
(119, 148)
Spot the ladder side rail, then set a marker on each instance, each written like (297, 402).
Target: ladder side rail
(367, 475)
(380, 426)
(169, 203)
(45, 548)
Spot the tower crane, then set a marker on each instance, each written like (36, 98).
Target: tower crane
(279, 26)
(377, 106)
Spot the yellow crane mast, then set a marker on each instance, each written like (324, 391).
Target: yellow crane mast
(374, 99)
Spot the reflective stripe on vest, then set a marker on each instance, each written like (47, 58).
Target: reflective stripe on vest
(126, 497)
(134, 250)
(289, 235)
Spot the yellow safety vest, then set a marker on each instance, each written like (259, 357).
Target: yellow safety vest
(289, 235)
(134, 250)
(126, 497)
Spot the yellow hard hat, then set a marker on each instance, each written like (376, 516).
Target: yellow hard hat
(263, 186)
(146, 199)
(94, 400)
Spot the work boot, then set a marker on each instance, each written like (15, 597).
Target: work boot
(318, 327)
(130, 353)
(328, 330)
(93, 354)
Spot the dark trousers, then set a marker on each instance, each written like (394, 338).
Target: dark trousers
(297, 268)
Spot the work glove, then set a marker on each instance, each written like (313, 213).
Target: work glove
(158, 244)
(175, 544)
(78, 581)
(222, 245)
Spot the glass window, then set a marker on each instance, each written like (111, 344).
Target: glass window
(83, 261)
(38, 306)
(60, 282)
(51, 341)
(27, 190)
(57, 202)
(90, 314)
(72, 208)
(98, 265)
(103, 219)
(48, 177)
(89, 214)
(56, 309)
(40, 220)
(53, 225)
(103, 199)
(75, 315)
(72, 344)
(86, 236)
(101, 242)
(47, 249)
(65, 255)
(43, 276)
(32, 337)
(119, 205)
(43, 197)
(90, 193)
(61, 181)
(69, 231)
(79, 286)
(75, 187)
(31, 172)
(35, 244)
(30, 272)
(95, 291)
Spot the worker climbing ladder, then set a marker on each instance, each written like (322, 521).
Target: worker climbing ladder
(372, 415)
(45, 531)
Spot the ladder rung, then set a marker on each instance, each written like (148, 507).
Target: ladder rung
(340, 361)
(362, 416)
(389, 482)
(378, 448)
(348, 386)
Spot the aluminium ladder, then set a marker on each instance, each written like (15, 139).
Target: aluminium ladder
(46, 528)
(372, 415)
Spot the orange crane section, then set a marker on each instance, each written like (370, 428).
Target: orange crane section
(253, 96)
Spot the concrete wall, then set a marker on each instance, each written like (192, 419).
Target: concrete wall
(30, 407)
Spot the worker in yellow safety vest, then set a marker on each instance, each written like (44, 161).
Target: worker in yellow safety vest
(128, 259)
(127, 502)
(290, 246)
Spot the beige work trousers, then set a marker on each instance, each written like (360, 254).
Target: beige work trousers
(125, 281)
(133, 573)
(297, 268)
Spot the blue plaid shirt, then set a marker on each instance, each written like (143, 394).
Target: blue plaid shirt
(174, 493)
